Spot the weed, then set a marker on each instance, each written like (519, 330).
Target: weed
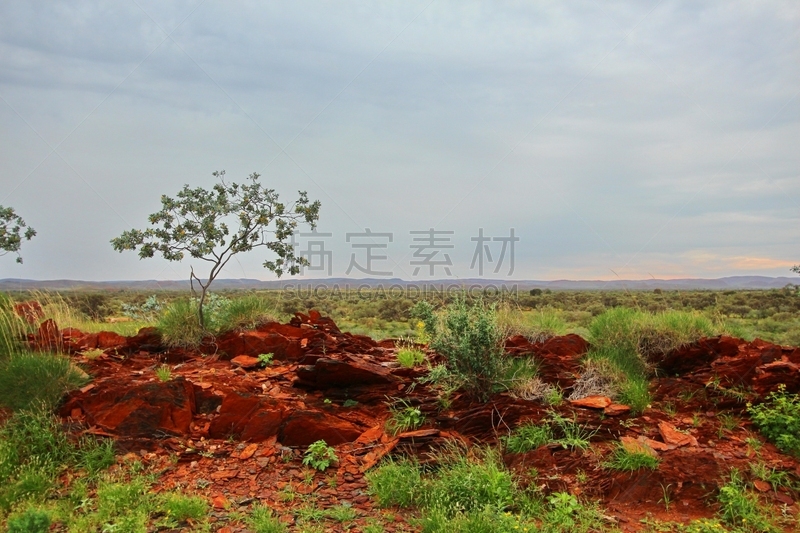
(180, 508)
(569, 433)
(341, 513)
(163, 373)
(395, 483)
(666, 497)
(265, 359)
(670, 409)
(179, 326)
(319, 455)
(528, 437)
(409, 357)
(404, 419)
(627, 459)
(31, 379)
(246, 312)
(740, 508)
(778, 419)
(262, 520)
(349, 403)
(31, 521)
(471, 342)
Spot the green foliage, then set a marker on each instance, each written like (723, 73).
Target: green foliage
(11, 232)
(625, 371)
(146, 312)
(395, 483)
(741, 508)
(405, 418)
(319, 455)
(180, 508)
(28, 379)
(471, 341)
(198, 222)
(94, 455)
(410, 357)
(529, 436)
(626, 459)
(123, 506)
(31, 521)
(262, 520)
(245, 312)
(178, 324)
(265, 358)
(636, 394)
(570, 434)
(778, 419)
(164, 373)
(12, 328)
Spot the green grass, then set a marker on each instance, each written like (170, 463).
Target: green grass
(625, 459)
(31, 379)
(179, 325)
(410, 357)
(31, 521)
(245, 312)
(262, 520)
(778, 419)
(396, 483)
(405, 418)
(741, 508)
(529, 436)
(180, 508)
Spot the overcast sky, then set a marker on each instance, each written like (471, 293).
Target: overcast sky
(618, 139)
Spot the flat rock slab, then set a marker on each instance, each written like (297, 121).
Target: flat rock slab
(674, 437)
(592, 402)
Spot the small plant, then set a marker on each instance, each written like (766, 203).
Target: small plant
(740, 508)
(404, 419)
(628, 459)
(349, 403)
(163, 373)
(410, 357)
(319, 455)
(262, 520)
(265, 358)
(666, 499)
(528, 437)
(31, 521)
(572, 434)
(342, 513)
(180, 508)
(778, 419)
(395, 483)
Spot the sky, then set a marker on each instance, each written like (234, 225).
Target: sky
(618, 140)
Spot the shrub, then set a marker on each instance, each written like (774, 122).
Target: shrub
(410, 357)
(395, 483)
(469, 338)
(31, 521)
(319, 455)
(778, 419)
(405, 418)
(741, 508)
(163, 373)
(179, 326)
(28, 379)
(246, 312)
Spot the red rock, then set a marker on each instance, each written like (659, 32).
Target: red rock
(137, 411)
(762, 486)
(245, 361)
(419, 434)
(248, 452)
(48, 336)
(147, 339)
(31, 311)
(255, 343)
(566, 345)
(784, 498)
(249, 418)
(332, 373)
(616, 409)
(592, 402)
(305, 427)
(107, 340)
(637, 446)
(220, 502)
(674, 437)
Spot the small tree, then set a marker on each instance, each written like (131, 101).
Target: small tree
(796, 269)
(197, 223)
(11, 232)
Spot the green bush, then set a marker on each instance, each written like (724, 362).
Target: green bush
(28, 379)
(395, 483)
(179, 326)
(31, 521)
(246, 312)
(471, 342)
(181, 508)
(778, 419)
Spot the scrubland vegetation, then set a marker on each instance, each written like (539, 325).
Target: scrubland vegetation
(80, 483)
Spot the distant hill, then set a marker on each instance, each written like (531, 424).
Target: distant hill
(732, 282)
